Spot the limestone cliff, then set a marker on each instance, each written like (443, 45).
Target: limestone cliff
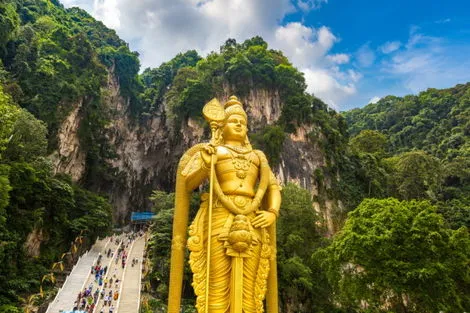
(147, 152)
(69, 157)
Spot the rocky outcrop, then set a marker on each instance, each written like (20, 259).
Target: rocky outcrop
(69, 157)
(33, 242)
(299, 159)
(145, 153)
(262, 106)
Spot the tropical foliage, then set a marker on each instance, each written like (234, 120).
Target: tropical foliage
(436, 121)
(47, 64)
(40, 213)
(400, 167)
(394, 256)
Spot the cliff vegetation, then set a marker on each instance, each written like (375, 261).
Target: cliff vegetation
(376, 205)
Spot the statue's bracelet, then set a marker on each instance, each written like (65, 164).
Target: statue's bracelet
(275, 212)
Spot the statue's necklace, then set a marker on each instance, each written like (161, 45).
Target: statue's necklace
(239, 149)
(241, 163)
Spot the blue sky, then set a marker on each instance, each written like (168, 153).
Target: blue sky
(351, 52)
(440, 55)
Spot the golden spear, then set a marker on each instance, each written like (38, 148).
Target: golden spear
(214, 114)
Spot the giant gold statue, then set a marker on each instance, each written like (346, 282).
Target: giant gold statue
(232, 240)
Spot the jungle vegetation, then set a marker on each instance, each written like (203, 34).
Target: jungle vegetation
(398, 170)
(50, 59)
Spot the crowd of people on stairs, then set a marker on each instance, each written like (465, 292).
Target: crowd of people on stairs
(103, 290)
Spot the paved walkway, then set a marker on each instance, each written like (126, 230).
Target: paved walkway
(120, 277)
(112, 279)
(75, 281)
(130, 293)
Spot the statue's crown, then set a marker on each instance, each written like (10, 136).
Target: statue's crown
(233, 106)
(233, 100)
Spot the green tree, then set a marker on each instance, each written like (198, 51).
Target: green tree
(32, 202)
(456, 212)
(303, 286)
(434, 121)
(418, 175)
(162, 200)
(239, 73)
(373, 174)
(28, 139)
(159, 248)
(4, 189)
(401, 257)
(92, 214)
(8, 115)
(369, 141)
(270, 141)
(456, 178)
(185, 76)
(9, 22)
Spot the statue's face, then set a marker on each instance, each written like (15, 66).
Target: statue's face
(235, 128)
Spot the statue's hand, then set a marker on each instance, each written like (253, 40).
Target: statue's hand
(206, 153)
(264, 219)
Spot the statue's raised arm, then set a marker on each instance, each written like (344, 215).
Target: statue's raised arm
(232, 238)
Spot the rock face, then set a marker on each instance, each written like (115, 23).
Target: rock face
(299, 160)
(32, 244)
(70, 158)
(147, 152)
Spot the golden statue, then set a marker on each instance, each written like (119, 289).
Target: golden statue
(235, 270)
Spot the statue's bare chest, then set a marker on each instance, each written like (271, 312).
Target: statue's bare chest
(238, 171)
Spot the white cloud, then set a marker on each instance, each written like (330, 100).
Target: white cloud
(374, 99)
(324, 86)
(390, 46)
(428, 62)
(340, 58)
(303, 45)
(365, 55)
(107, 11)
(84, 4)
(443, 21)
(308, 49)
(308, 5)
(410, 62)
(70, 3)
(160, 29)
(354, 76)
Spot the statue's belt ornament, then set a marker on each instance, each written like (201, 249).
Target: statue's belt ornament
(241, 201)
(243, 204)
